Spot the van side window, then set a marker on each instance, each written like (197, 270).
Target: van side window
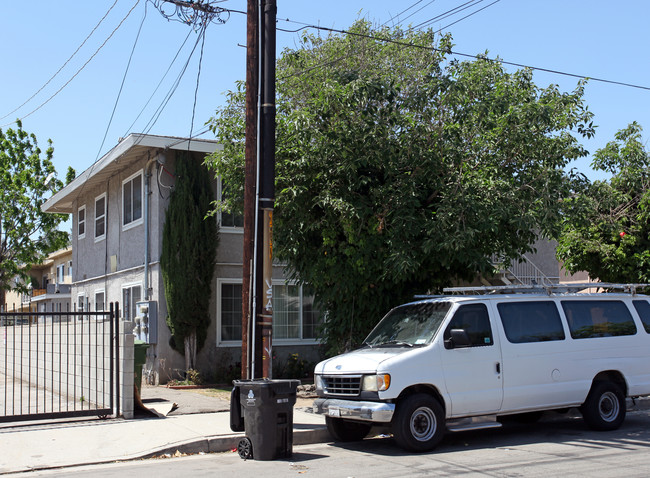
(474, 319)
(598, 318)
(643, 309)
(537, 321)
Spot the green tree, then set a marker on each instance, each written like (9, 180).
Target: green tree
(27, 234)
(190, 238)
(400, 170)
(607, 226)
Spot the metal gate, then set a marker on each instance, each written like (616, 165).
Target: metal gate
(56, 364)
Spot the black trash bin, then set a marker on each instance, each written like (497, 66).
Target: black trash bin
(267, 407)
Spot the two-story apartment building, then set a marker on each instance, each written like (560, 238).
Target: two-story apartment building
(50, 285)
(118, 210)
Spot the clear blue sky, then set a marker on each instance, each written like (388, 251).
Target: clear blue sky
(598, 38)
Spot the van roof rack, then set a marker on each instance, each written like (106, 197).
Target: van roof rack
(549, 289)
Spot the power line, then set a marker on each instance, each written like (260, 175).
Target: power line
(159, 83)
(469, 15)
(198, 76)
(466, 55)
(406, 10)
(64, 64)
(150, 124)
(413, 13)
(126, 71)
(82, 67)
(447, 14)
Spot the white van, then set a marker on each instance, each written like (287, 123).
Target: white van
(460, 362)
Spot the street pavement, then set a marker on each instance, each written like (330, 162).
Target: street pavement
(198, 424)
(201, 424)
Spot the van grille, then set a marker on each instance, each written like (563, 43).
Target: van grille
(347, 385)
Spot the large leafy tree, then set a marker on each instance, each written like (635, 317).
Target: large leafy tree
(607, 226)
(27, 234)
(399, 169)
(190, 238)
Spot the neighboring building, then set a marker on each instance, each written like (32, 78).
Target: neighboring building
(118, 210)
(50, 285)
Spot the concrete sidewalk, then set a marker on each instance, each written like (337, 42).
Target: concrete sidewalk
(37, 446)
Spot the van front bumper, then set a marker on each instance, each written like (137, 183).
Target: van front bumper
(366, 411)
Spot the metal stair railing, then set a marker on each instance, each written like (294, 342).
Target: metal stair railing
(524, 272)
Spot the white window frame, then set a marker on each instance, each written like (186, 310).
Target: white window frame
(140, 220)
(80, 222)
(102, 216)
(279, 342)
(60, 273)
(222, 228)
(221, 282)
(103, 292)
(130, 285)
(81, 302)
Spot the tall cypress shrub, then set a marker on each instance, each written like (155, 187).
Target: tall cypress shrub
(190, 239)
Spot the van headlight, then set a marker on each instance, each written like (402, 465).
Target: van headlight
(318, 381)
(376, 383)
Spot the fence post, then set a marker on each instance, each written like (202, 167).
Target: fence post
(126, 368)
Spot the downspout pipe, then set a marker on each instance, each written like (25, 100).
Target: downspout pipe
(147, 193)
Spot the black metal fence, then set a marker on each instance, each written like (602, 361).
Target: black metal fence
(57, 364)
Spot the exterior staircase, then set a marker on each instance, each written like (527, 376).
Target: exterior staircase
(524, 272)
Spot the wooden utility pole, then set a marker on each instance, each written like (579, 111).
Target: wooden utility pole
(250, 187)
(259, 196)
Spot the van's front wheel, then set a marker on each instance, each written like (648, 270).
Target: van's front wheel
(419, 423)
(604, 408)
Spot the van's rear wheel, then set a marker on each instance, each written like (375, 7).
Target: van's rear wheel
(346, 430)
(604, 408)
(419, 423)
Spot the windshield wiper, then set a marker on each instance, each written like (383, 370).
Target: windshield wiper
(367, 344)
(395, 342)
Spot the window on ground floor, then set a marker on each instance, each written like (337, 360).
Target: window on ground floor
(99, 300)
(131, 294)
(294, 314)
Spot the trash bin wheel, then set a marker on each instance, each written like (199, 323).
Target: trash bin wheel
(245, 449)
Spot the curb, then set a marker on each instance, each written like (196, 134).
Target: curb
(226, 443)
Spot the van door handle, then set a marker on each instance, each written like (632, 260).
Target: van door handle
(498, 367)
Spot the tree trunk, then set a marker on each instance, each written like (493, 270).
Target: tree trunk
(190, 351)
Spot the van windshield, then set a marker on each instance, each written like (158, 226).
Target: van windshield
(409, 325)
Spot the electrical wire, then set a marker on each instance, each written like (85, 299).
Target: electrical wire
(150, 124)
(159, 83)
(450, 14)
(417, 11)
(126, 71)
(466, 55)
(406, 10)
(64, 64)
(443, 15)
(80, 69)
(198, 77)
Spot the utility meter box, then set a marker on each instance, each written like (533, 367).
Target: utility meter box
(145, 327)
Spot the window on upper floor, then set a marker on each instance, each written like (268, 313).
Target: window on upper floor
(100, 217)
(81, 222)
(227, 219)
(60, 273)
(132, 200)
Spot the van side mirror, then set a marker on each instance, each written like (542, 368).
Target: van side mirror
(459, 338)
